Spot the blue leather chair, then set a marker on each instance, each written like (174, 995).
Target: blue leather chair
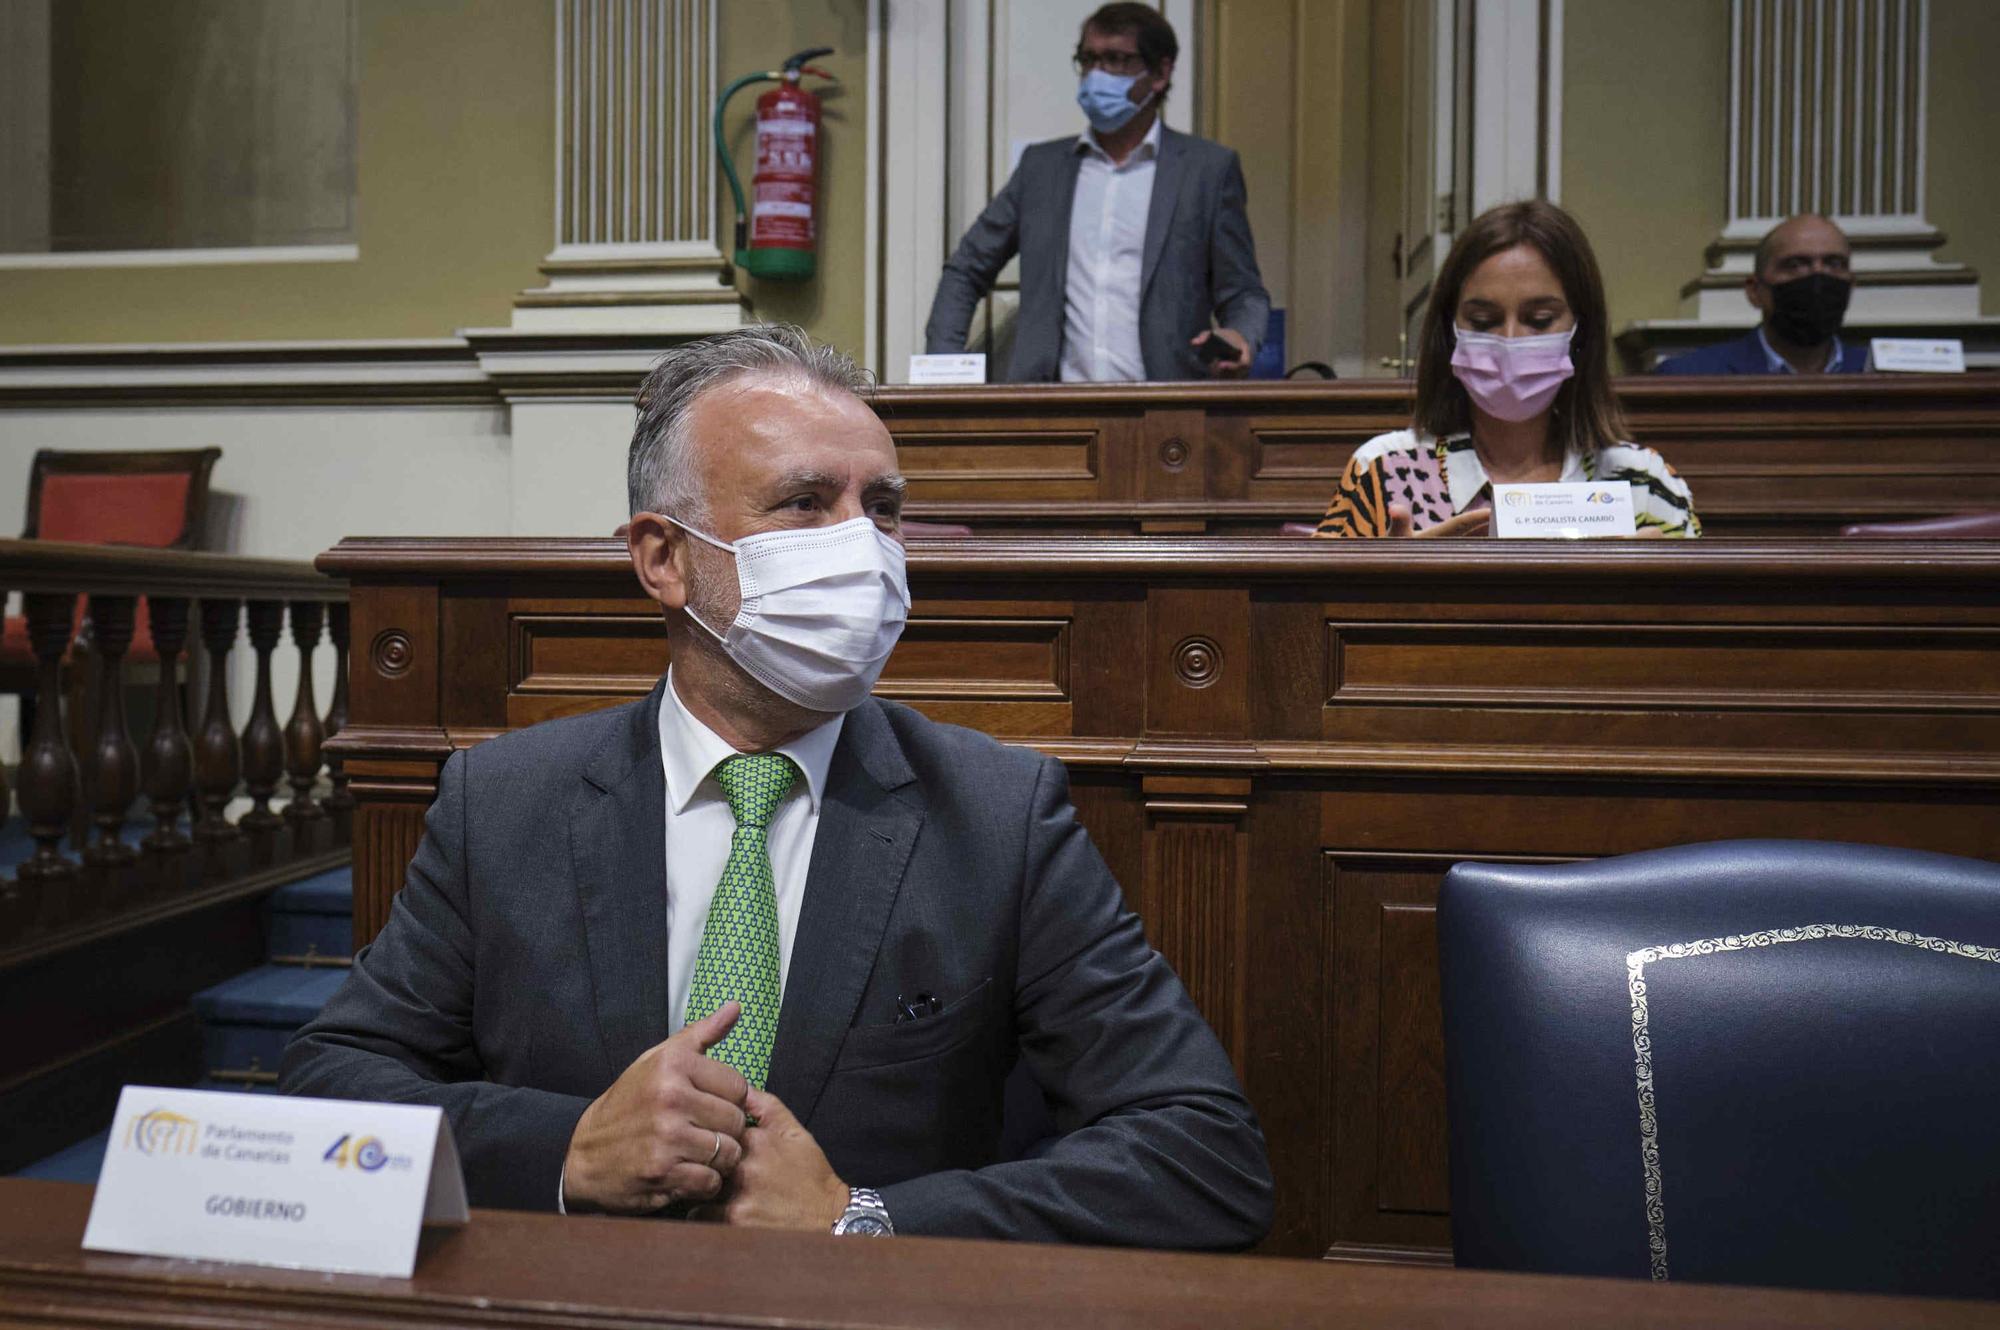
(1757, 1062)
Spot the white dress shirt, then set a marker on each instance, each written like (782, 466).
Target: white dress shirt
(1107, 251)
(1777, 364)
(699, 829)
(700, 825)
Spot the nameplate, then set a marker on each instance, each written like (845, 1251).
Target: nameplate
(1563, 511)
(967, 368)
(1917, 355)
(312, 1184)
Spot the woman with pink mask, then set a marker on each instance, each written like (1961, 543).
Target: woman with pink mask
(1513, 387)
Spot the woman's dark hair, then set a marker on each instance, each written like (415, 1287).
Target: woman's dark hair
(1586, 415)
(1146, 26)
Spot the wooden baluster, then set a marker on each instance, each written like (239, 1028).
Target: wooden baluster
(218, 759)
(169, 760)
(302, 732)
(48, 773)
(340, 802)
(114, 759)
(263, 742)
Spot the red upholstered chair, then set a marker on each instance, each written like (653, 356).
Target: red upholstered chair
(932, 530)
(1958, 526)
(155, 499)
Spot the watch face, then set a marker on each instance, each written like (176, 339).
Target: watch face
(864, 1225)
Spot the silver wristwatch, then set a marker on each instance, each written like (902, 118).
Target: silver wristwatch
(865, 1216)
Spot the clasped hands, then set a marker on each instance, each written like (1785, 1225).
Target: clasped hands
(675, 1126)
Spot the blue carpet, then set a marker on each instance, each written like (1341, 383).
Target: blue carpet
(331, 892)
(281, 995)
(78, 1163)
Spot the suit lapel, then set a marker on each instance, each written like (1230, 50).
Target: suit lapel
(1160, 212)
(618, 830)
(1067, 166)
(866, 833)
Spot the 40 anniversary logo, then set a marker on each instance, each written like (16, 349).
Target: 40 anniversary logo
(367, 1154)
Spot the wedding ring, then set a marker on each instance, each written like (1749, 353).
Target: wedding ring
(716, 1153)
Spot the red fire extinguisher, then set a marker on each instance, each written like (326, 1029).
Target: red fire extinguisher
(776, 235)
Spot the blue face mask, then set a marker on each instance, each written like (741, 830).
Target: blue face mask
(1106, 100)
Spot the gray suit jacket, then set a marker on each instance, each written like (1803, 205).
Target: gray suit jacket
(524, 966)
(1199, 260)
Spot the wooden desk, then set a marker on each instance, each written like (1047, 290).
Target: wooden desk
(1280, 746)
(1765, 456)
(520, 1270)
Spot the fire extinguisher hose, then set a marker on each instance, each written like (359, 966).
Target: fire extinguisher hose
(729, 166)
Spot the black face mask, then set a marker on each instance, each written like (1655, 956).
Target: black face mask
(1807, 311)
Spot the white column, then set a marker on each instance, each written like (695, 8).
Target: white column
(635, 208)
(1827, 114)
(1516, 107)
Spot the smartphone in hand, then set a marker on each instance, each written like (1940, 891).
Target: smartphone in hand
(1215, 348)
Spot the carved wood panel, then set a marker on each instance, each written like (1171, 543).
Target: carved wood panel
(1194, 898)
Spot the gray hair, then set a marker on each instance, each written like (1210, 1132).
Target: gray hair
(660, 474)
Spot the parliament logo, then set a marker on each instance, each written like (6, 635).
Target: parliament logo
(161, 1132)
(1517, 499)
(367, 1154)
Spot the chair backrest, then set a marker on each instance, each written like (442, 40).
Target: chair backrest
(1958, 526)
(935, 530)
(156, 499)
(1757, 1062)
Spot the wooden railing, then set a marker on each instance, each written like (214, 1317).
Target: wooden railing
(81, 773)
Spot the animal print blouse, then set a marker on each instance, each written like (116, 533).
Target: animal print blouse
(1440, 478)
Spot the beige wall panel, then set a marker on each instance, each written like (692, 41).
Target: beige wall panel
(1288, 89)
(759, 34)
(1383, 317)
(1964, 187)
(1645, 142)
(1255, 75)
(455, 160)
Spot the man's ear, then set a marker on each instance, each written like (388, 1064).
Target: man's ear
(657, 548)
(1757, 293)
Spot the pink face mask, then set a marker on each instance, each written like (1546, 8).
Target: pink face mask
(1512, 378)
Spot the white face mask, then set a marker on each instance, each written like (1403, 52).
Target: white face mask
(822, 609)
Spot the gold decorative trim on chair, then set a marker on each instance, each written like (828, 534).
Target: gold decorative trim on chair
(1642, 1040)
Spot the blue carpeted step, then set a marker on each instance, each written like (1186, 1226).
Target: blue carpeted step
(314, 916)
(77, 1163)
(247, 1021)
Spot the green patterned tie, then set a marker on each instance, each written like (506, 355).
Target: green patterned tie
(739, 946)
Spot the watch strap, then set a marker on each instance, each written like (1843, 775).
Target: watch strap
(865, 1215)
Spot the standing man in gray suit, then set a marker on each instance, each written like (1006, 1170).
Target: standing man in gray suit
(765, 943)
(1133, 238)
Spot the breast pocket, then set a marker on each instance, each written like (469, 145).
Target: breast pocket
(914, 1040)
(916, 1098)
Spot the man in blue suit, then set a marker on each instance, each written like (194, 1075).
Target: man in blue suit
(1801, 283)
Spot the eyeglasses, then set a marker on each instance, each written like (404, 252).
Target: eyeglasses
(1120, 63)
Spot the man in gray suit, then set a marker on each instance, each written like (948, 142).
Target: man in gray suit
(1132, 237)
(767, 944)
